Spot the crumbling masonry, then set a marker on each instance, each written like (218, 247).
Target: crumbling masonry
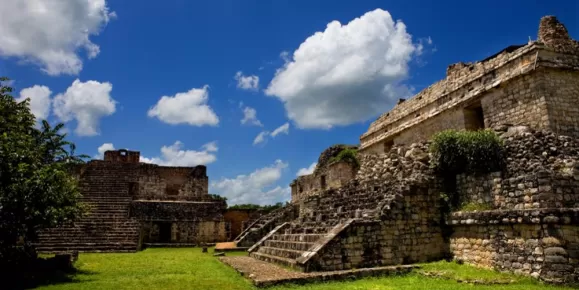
(134, 204)
(391, 212)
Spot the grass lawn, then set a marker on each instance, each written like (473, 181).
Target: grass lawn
(188, 268)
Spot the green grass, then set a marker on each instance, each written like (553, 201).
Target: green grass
(188, 268)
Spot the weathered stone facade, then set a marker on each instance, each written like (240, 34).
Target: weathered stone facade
(532, 225)
(133, 203)
(534, 84)
(239, 220)
(395, 211)
(327, 174)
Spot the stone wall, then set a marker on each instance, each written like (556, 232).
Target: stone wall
(327, 174)
(542, 171)
(531, 222)
(541, 243)
(172, 183)
(514, 86)
(184, 222)
(238, 220)
(562, 89)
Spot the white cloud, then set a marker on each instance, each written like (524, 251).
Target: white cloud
(258, 187)
(210, 147)
(283, 129)
(247, 82)
(174, 155)
(345, 74)
(307, 171)
(39, 100)
(86, 103)
(185, 108)
(250, 117)
(261, 137)
(50, 32)
(102, 149)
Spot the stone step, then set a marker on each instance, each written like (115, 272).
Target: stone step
(300, 246)
(309, 238)
(275, 259)
(320, 230)
(89, 229)
(88, 239)
(280, 252)
(86, 247)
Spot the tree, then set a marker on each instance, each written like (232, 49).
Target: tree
(36, 189)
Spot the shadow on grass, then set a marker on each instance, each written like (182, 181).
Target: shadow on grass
(39, 272)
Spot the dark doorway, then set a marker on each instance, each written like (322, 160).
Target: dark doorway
(323, 181)
(133, 188)
(164, 232)
(474, 118)
(388, 145)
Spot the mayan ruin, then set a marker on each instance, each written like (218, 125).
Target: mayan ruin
(472, 182)
(133, 205)
(388, 212)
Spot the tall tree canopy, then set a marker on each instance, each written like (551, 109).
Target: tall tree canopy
(36, 187)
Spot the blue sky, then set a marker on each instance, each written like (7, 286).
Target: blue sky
(253, 89)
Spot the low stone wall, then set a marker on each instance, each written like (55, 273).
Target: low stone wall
(540, 243)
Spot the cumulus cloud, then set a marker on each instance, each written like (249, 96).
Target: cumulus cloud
(250, 117)
(86, 103)
(102, 149)
(39, 100)
(345, 74)
(185, 108)
(283, 129)
(258, 187)
(51, 32)
(175, 155)
(247, 82)
(307, 171)
(264, 135)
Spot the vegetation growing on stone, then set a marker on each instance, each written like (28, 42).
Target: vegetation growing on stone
(347, 155)
(218, 197)
(455, 152)
(263, 208)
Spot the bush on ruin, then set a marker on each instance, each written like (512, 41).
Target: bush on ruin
(347, 155)
(455, 152)
(36, 189)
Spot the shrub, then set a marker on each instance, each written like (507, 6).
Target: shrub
(347, 155)
(455, 152)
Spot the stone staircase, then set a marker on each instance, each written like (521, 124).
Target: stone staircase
(106, 227)
(263, 225)
(290, 243)
(321, 218)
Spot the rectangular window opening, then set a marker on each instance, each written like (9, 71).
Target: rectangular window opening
(474, 118)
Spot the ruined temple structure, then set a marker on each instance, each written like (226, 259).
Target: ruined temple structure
(133, 204)
(535, 84)
(329, 173)
(390, 210)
